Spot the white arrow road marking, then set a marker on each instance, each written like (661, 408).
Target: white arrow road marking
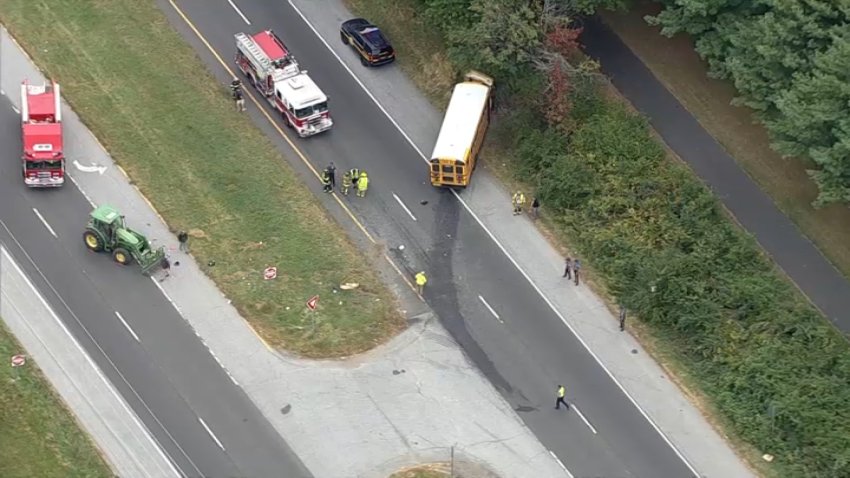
(44, 221)
(90, 169)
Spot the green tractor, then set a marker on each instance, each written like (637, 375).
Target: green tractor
(106, 231)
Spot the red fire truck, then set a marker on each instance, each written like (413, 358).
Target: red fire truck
(41, 124)
(274, 72)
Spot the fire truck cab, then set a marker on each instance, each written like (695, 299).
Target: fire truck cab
(41, 125)
(273, 71)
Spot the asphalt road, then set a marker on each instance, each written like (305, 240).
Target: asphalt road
(755, 211)
(525, 355)
(168, 377)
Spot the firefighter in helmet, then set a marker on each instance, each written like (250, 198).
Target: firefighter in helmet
(346, 183)
(326, 181)
(362, 185)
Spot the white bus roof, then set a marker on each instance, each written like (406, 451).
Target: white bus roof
(461, 121)
(301, 91)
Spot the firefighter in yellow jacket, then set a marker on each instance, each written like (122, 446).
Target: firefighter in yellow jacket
(346, 183)
(518, 201)
(362, 185)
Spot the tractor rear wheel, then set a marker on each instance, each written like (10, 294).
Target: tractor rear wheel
(92, 241)
(121, 256)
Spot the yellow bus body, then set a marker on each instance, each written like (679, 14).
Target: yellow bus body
(462, 134)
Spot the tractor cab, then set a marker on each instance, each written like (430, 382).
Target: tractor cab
(107, 232)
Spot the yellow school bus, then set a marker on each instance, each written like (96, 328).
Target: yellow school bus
(463, 130)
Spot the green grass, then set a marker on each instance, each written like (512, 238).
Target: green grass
(148, 98)
(675, 63)
(38, 436)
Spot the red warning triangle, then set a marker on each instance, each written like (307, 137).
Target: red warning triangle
(313, 302)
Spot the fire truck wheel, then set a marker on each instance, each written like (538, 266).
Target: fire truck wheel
(286, 120)
(121, 256)
(92, 241)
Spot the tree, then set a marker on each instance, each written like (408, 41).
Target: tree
(502, 41)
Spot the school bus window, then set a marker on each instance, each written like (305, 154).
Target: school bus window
(459, 170)
(435, 168)
(448, 169)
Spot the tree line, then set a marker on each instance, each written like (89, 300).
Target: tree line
(774, 369)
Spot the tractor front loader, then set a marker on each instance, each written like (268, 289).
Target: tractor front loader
(106, 232)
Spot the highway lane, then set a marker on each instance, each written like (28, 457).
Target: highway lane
(204, 422)
(527, 350)
(807, 267)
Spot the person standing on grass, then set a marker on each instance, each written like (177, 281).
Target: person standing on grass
(239, 98)
(568, 268)
(183, 239)
(535, 206)
(576, 269)
(560, 400)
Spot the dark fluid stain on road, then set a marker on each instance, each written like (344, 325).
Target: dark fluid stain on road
(286, 409)
(525, 408)
(442, 294)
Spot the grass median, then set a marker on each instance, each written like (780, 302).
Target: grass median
(152, 103)
(39, 435)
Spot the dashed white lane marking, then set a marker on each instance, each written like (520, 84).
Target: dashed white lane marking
(581, 415)
(501, 247)
(404, 207)
(232, 4)
(560, 463)
(44, 221)
(129, 329)
(490, 309)
(215, 438)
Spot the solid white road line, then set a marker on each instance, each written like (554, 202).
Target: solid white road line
(44, 221)
(81, 190)
(238, 11)
(581, 415)
(94, 366)
(129, 329)
(560, 463)
(503, 249)
(404, 207)
(490, 309)
(215, 438)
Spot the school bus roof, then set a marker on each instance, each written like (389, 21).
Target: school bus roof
(461, 121)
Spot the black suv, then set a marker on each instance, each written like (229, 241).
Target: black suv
(368, 41)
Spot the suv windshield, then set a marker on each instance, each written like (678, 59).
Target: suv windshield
(42, 165)
(312, 110)
(374, 38)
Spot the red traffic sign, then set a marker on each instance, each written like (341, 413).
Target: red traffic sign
(270, 273)
(18, 360)
(313, 302)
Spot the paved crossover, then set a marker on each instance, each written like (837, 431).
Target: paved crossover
(205, 423)
(795, 254)
(498, 317)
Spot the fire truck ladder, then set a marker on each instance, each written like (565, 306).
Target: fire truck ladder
(259, 56)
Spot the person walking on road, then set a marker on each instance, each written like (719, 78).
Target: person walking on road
(560, 400)
(568, 268)
(421, 280)
(362, 185)
(331, 169)
(518, 201)
(346, 183)
(576, 269)
(183, 239)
